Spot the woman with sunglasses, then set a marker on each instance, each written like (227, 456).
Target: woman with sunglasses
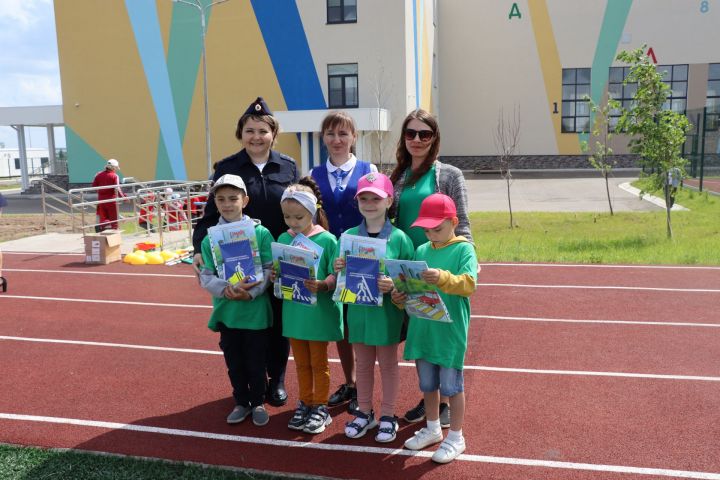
(418, 175)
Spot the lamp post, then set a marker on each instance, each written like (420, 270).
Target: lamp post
(197, 4)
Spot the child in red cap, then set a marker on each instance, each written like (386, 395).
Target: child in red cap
(438, 348)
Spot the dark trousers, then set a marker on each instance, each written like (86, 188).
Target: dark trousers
(244, 351)
(278, 347)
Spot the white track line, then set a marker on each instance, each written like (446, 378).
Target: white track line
(402, 364)
(610, 322)
(601, 287)
(120, 302)
(583, 265)
(512, 285)
(84, 272)
(522, 462)
(51, 254)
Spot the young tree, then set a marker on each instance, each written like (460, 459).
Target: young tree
(506, 137)
(600, 153)
(381, 89)
(657, 133)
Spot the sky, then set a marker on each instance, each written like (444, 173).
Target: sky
(29, 68)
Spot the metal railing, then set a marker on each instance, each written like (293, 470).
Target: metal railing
(57, 200)
(158, 207)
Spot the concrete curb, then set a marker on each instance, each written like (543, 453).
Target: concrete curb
(651, 198)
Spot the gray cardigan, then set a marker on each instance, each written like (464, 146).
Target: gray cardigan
(450, 181)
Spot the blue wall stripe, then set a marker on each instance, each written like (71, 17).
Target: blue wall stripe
(311, 156)
(285, 39)
(146, 27)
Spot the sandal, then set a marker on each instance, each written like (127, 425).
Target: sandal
(3, 284)
(360, 424)
(388, 429)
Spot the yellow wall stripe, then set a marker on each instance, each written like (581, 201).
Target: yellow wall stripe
(568, 143)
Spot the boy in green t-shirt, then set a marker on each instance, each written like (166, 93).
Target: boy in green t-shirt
(438, 348)
(241, 312)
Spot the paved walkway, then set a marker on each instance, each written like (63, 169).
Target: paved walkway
(54, 242)
(488, 193)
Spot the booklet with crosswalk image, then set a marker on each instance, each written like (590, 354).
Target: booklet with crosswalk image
(294, 265)
(357, 283)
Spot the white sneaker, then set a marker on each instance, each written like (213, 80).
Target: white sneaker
(448, 450)
(423, 438)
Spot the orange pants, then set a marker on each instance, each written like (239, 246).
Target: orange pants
(313, 370)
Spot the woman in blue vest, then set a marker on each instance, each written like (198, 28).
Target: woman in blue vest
(338, 179)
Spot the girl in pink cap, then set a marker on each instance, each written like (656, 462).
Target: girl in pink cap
(374, 332)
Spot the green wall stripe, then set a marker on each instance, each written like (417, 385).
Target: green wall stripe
(84, 160)
(616, 13)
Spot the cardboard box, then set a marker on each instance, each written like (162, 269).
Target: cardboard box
(103, 248)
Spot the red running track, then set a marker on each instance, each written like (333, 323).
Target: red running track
(561, 382)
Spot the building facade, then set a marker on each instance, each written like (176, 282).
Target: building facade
(132, 76)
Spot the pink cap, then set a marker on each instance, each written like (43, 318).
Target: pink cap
(376, 183)
(434, 210)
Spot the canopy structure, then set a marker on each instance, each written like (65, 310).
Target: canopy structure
(48, 116)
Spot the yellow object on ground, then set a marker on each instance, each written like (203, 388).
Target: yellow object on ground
(138, 259)
(154, 258)
(168, 255)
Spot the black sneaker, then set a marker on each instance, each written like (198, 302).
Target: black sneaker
(300, 418)
(353, 406)
(318, 419)
(342, 395)
(444, 415)
(416, 414)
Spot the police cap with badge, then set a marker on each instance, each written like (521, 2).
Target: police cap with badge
(258, 107)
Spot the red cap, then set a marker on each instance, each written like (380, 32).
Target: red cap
(376, 183)
(434, 210)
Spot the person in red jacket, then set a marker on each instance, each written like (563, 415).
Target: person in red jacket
(108, 212)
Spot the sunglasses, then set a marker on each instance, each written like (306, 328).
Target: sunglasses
(424, 135)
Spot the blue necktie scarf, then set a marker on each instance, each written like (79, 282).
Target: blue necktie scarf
(339, 187)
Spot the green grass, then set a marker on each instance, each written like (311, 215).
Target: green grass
(625, 238)
(9, 186)
(23, 463)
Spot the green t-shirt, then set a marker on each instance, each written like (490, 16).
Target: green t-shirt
(322, 321)
(252, 315)
(442, 343)
(380, 325)
(409, 205)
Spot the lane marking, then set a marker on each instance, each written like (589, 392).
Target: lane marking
(483, 368)
(170, 275)
(602, 287)
(112, 345)
(117, 302)
(525, 462)
(610, 322)
(582, 265)
(82, 272)
(50, 254)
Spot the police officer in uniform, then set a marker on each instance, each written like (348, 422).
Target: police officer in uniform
(266, 174)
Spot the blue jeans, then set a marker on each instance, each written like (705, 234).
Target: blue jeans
(433, 377)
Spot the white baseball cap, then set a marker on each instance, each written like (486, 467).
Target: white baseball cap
(112, 163)
(229, 179)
